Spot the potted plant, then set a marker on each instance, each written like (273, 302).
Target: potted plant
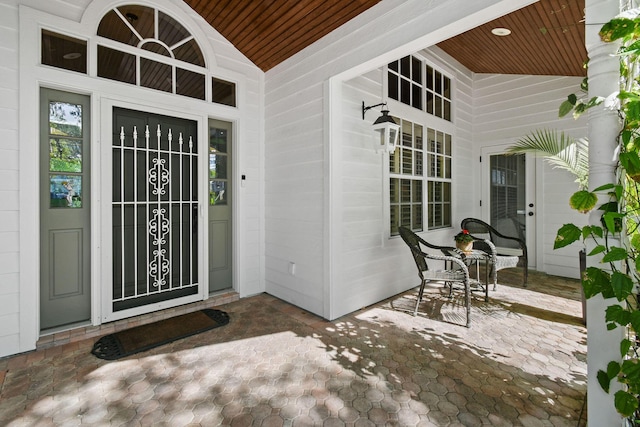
(464, 241)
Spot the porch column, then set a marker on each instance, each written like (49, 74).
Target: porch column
(603, 72)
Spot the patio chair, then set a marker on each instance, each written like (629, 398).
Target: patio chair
(456, 273)
(507, 251)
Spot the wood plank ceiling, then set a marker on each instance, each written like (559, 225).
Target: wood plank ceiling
(547, 37)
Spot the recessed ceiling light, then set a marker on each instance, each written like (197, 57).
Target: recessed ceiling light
(72, 55)
(501, 32)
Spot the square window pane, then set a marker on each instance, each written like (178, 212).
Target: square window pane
(65, 119)
(405, 191)
(437, 104)
(394, 217)
(407, 161)
(446, 91)
(437, 80)
(62, 51)
(416, 97)
(416, 197)
(155, 75)
(405, 215)
(417, 218)
(217, 192)
(394, 190)
(218, 166)
(65, 191)
(116, 65)
(447, 144)
(429, 82)
(429, 102)
(417, 131)
(223, 92)
(416, 70)
(447, 110)
(393, 86)
(65, 155)
(419, 165)
(407, 134)
(405, 91)
(405, 67)
(189, 83)
(394, 161)
(447, 167)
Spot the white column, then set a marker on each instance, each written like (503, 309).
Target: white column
(602, 345)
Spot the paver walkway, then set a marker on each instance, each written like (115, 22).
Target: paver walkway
(522, 363)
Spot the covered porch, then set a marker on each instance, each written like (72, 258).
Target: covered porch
(522, 362)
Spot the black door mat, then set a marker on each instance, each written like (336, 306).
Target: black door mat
(144, 337)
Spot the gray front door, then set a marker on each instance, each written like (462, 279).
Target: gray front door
(65, 216)
(220, 205)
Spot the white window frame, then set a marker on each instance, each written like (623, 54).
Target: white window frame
(427, 121)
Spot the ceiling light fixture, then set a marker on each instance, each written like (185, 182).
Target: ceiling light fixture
(501, 32)
(386, 127)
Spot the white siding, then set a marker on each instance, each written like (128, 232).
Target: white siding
(307, 111)
(9, 194)
(18, 266)
(506, 107)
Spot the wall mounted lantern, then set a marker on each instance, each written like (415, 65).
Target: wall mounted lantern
(386, 127)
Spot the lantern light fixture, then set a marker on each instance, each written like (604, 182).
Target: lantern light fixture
(386, 127)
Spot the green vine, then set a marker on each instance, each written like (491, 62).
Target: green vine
(620, 217)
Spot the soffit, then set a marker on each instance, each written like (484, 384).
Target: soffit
(547, 37)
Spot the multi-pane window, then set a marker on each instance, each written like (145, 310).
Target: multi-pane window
(142, 46)
(415, 83)
(438, 152)
(419, 179)
(406, 168)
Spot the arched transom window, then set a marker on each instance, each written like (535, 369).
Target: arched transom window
(142, 46)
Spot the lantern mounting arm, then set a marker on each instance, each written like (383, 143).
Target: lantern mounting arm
(365, 109)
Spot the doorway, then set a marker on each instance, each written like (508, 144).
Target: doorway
(154, 211)
(510, 190)
(220, 205)
(65, 209)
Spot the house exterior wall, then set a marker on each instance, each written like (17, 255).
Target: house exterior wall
(309, 139)
(507, 107)
(21, 75)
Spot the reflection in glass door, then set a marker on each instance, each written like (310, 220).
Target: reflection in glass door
(508, 194)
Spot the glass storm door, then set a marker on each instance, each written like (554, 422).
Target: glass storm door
(65, 217)
(220, 205)
(154, 209)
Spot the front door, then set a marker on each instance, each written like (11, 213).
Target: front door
(154, 212)
(220, 205)
(65, 209)
(510, 191)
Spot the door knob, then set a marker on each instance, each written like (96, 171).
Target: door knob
(530, 214)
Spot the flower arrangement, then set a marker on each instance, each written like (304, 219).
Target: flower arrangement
(463, 237)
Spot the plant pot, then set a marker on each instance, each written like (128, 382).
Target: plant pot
(465, 246)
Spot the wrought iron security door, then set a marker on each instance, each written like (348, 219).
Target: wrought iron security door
(154, 209)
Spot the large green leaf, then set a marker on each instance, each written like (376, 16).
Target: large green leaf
(583, 201)
(558, 149)
(604, 380)
(616, 313)
(626, 403)
(567, 234)
(615, 254)
(597, 281)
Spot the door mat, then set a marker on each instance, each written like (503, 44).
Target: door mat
(145, 337)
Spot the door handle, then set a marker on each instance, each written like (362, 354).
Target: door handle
(530, 214)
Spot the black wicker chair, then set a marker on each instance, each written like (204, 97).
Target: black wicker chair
(457, 273)
(507, 251)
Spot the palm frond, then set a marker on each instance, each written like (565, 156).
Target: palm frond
(558, 149)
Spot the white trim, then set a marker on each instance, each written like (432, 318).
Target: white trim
(33, 75)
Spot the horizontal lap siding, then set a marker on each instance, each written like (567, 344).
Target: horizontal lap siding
(509, 107)
(9, 193)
